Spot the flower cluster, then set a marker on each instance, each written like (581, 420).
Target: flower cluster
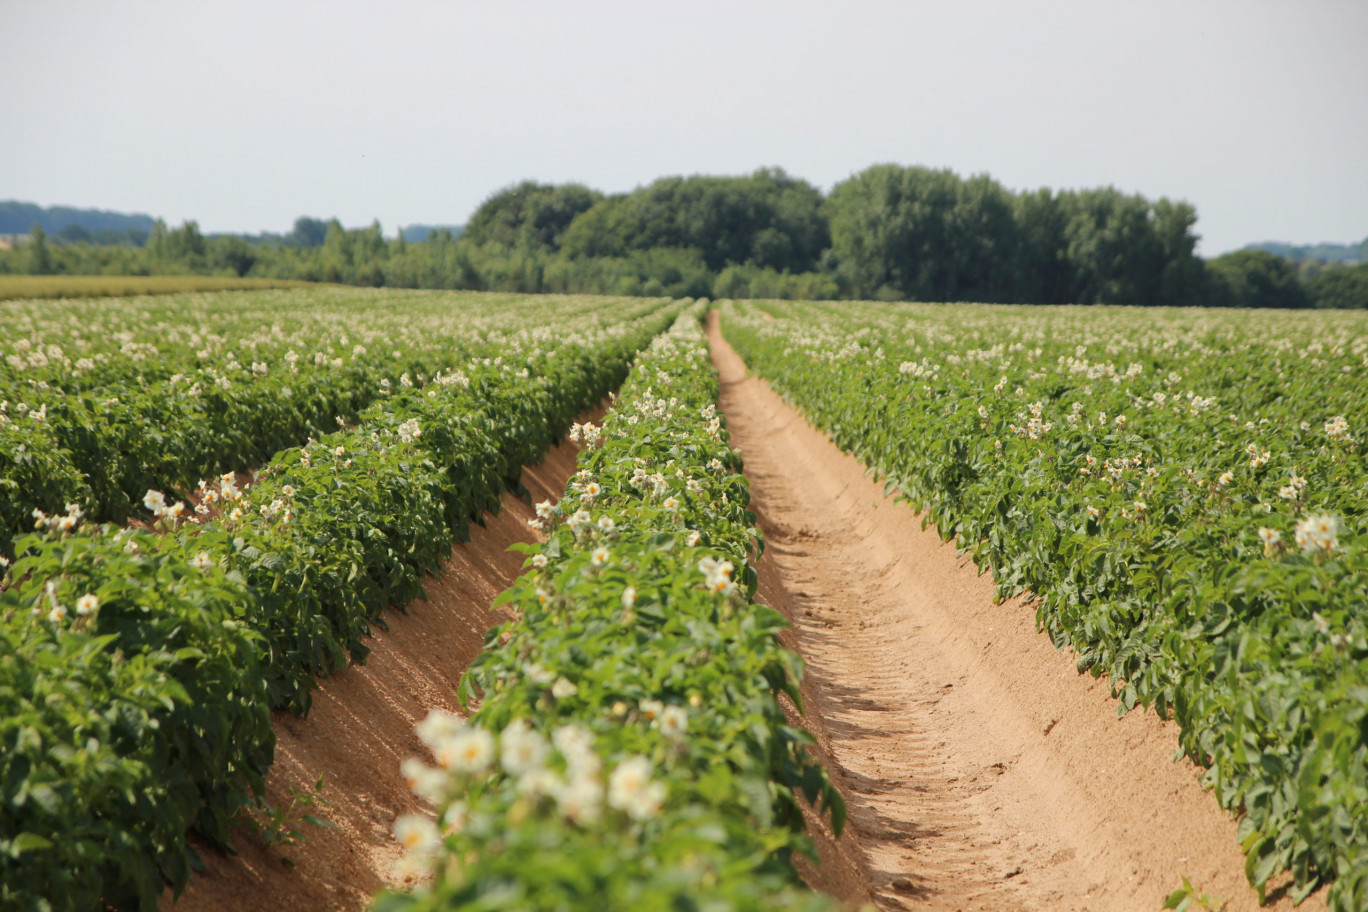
(717, 575)
(1337, 428)
(1318, 533)
(565, 771)
(587, 433)
(66, 523)
(155, 501)
(57, 613)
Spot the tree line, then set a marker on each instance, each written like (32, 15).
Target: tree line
(889, 232)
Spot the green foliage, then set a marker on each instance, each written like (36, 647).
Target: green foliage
(755, 282)
(529, 216)
(281, 825)
(35, 473)
(39, 256)
(232, 255)
(1342, 287)
(628, 653)
(138, 395)
(309, 232)
(768, 219)
(1186, 897)
(137, 669)
(125, 720)
(926, 234)
(660, 271)
(919, 234)
(1114, 253)
(1255, 278)
(184, 243)
(889, 233)
(1156, 481)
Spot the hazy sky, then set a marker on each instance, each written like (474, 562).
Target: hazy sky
(245, 115)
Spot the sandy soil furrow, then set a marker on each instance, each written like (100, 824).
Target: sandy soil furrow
(360, 729)
(982, 771)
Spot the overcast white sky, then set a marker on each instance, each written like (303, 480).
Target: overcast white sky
(245, 115)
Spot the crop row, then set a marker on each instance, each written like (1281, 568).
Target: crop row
(138, 667)
(100, 402)
(629, 750)
(1183, 495)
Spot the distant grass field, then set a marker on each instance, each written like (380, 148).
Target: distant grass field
(99, 286)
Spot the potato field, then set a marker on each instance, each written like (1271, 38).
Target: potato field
(213, 505)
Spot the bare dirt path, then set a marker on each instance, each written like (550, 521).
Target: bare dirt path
(982, 771)
(360, 729)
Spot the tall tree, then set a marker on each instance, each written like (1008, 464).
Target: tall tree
(1255, 278)
(39, 254)
(1042, 273)
(1114, 254)
(767, 218)
(983, 233)
(529, 216)
(1340, 286)
(308, 232)
(891, 231)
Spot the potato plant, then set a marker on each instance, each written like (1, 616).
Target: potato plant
(1184, 496)
(629, 750)
(139, 666)
(101, 401)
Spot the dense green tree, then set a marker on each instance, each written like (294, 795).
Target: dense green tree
(1255, 278)
(983, 237)
(767, 218)
(529, 216)
(368, 244)
(308, 232)
(184, 244)
(231, 254)
(928, 235)
(1183, 281)
(889, 232)
(1114, 254)
(1340, 286)
(1043, 274)
(156, 241)
(600, 231)
(39, 254)
(337, 250)
(894, 232)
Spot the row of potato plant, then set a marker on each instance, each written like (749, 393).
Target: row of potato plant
(101, 401)
(629, 750)
(1184, 494)
(138, 666)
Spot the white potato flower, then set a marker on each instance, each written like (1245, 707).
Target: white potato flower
(522, 748)
(417, 834)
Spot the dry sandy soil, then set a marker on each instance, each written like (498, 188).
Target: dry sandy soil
(982, 772)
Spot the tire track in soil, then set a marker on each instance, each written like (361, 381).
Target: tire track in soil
(981, 770)
(360, 728)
